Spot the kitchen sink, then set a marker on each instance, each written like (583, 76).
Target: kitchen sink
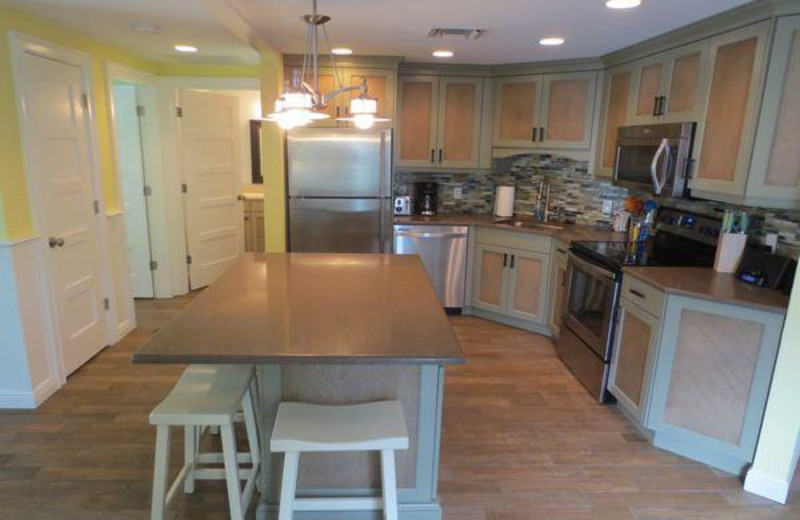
(533, 224)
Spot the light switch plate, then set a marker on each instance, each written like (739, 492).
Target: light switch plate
(608, 206)
(457, 193)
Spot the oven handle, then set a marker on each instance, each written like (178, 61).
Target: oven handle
(589, 267)
(657, 186)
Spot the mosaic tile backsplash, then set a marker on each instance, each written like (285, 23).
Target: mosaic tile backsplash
(578, 193)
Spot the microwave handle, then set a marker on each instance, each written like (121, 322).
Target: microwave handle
(657, 185)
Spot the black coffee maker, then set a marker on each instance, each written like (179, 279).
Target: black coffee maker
(426, 198)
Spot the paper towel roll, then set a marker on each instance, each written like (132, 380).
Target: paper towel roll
(504, 201)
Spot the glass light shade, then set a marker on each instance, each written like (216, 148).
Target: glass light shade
(363, 105)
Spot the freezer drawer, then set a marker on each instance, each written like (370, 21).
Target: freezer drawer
(443, 250)
(338, 225)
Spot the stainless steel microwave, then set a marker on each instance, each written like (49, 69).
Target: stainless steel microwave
(655, 158)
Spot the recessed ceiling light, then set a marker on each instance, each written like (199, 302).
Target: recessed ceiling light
(185, 48)
(342, 51)
(442, 54)
(551, 41)
(623, 4)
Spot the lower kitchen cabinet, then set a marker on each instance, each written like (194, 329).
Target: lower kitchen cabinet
(254, 226)
(713, 370)
(510, 277)
(558, 285)
(635, 348)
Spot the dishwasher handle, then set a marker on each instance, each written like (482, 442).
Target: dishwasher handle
(419, 234)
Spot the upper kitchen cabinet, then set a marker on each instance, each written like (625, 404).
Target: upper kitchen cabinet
(725, 134)
(669, 86)
(439, 122)
(615, 114)
(775, 167)
(552, 111)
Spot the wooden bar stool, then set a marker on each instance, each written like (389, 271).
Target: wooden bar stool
(207, 396)
(303, 428)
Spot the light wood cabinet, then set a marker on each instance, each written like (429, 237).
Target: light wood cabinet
(552, 111)
(558, 285)
(725, 134)
(615, 114)
(254, 237)
(439, 122)
(527, 285)
(712, 376)
(490, 278)
(633, 357)
(775, 167)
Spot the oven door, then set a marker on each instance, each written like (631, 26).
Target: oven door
(591, 304)
(650, 165)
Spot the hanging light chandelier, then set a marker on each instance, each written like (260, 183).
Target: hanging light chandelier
(302, 102)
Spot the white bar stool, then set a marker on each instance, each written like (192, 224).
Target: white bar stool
(207, 396)
(303, 428)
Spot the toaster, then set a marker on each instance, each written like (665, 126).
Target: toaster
(402, 205)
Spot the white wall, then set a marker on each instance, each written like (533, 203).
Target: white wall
(779, 444)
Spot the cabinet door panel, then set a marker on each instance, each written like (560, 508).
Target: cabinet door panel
(459, 122)
(619, 89)
(775, 168)
(685, 83)
(380, 85)
(568, 101)
(516, 110)
(490, 278)
(649, 88)
(528, 285)
(416, 127)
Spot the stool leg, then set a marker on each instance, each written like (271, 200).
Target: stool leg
(291, 460)
(231, 471)
(389, 485)
(252, 440)
(160, 470)
(190, 442)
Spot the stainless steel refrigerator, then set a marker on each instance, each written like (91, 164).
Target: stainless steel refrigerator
(339, 190)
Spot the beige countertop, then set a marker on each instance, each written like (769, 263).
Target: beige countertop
(568, 232)
(704, 282)
(312, 308)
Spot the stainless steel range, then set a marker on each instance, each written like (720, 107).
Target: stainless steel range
(594, 275)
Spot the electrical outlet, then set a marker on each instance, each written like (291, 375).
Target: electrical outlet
(608, 206)
(457, 193)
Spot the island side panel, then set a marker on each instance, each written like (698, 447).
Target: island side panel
(417, 387)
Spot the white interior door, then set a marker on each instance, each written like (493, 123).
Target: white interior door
(129, 146)
(211, 168)
(58, 153)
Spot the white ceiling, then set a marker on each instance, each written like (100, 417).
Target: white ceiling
(400, 27)
(180, 21)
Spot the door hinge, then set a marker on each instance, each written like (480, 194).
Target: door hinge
(184, 188)
(188, 259)
(140, 111)
(106, 304)
(96, 206)
(153, 265)
(147, 191)
(84, 101)
(178, 111)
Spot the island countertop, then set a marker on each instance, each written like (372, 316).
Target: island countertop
(311, 308)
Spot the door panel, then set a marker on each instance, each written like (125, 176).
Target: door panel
(210, 159)
(490, 278)
(528, 285)
(616, 116)
(687, 71)
(517, 108)
(568, 101)
(649, 88)
(61, 165)
(380, 85)
(336, 226)
(459, 122)
(416, 126)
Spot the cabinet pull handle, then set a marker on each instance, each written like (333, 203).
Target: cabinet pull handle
(337, 111)
(541, 134)
(433, 151)
(505, 260)
(655, 106)
(512, 261)
(637, 293)
(534, 130)
(662, 105)
(440, 155)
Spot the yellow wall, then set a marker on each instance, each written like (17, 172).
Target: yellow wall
(272, 156)
(15, 219)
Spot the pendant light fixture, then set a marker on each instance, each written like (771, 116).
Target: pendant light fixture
(302, 102)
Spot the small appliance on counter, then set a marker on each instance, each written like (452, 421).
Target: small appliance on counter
(762, 268)
(504, 201)
(426, 198)
(402, 205)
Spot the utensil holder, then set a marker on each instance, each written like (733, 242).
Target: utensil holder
(730, 249)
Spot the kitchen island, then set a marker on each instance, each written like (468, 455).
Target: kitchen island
(329, 329)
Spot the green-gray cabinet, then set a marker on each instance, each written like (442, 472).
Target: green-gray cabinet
(713, 369)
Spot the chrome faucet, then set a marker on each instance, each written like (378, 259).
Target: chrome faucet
(543, 201)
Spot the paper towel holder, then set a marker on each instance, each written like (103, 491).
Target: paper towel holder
(504, 201)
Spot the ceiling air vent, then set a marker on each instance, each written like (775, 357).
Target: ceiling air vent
(456, 32)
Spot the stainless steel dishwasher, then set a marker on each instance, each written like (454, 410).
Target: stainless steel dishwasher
(443, 250)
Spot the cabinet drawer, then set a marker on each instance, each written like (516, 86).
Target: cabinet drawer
(643, 294)
(514, 240)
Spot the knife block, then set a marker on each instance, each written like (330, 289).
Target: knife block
(730, 248)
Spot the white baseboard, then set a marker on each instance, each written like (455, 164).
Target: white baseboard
(44, 390)
(125, 328)
(767, 487)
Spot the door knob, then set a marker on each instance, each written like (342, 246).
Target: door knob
(52, 242)
(60, 242)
